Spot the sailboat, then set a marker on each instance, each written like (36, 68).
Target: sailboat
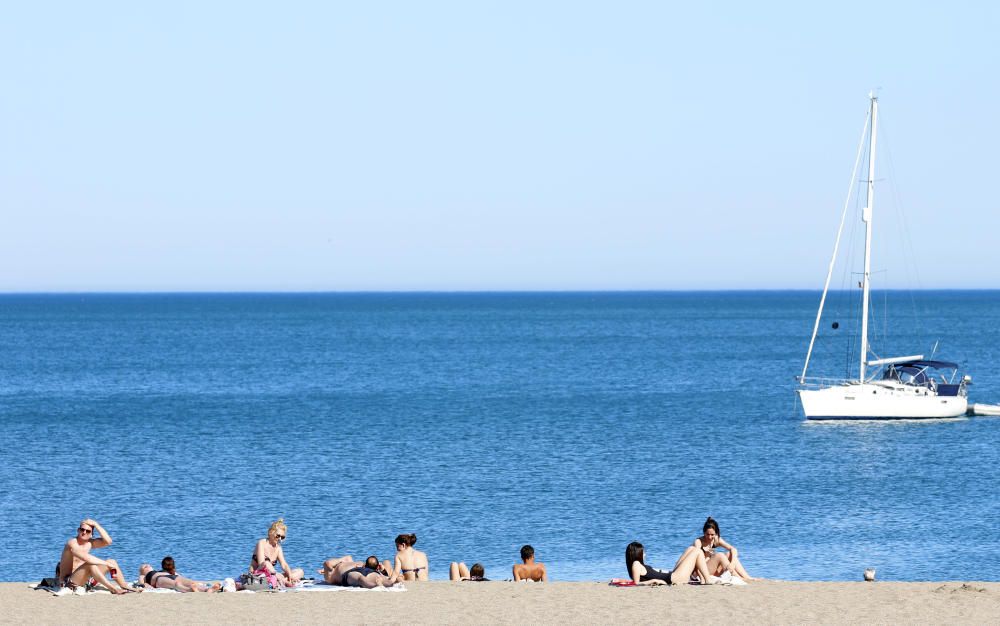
(905, 387)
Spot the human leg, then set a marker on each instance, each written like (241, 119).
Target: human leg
(85, 572)
(690, 550)
(740, 571)
(718, 564)
(357, 579)
(458, 571)
(329, 570)
(691, 560)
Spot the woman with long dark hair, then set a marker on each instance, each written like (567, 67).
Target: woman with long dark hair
(719, 562)
(642, 574)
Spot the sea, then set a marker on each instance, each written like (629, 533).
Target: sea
(574, 422)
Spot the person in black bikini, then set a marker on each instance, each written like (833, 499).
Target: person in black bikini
(642, 574)
(168, 578)
(268, 556)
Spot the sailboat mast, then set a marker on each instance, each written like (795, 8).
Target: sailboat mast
(866, 217)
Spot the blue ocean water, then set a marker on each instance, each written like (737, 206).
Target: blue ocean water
(576, 422)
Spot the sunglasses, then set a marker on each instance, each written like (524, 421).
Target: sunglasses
(279, 537)
(84, 530)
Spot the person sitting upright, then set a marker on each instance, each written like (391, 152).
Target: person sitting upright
(530, 569)
(77, 565)
(410, 562)
(268, 555)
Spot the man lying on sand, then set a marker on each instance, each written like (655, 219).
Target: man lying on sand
(347, 572)
(77, 566)
(529, 569)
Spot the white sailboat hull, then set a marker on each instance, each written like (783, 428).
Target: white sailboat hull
(879, 401)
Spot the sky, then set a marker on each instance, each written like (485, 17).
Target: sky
(299, 146)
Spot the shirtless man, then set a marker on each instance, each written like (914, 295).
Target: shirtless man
(347, 572)
(530, 570)
(77, 565)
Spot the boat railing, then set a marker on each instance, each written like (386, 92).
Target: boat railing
(822, 381)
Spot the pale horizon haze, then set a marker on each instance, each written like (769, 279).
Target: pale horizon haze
(450, 146)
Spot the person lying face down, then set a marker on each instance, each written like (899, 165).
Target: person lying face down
(168, 578)
(529, 569)
(346, 572)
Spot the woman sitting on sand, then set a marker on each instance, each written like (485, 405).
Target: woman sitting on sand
(168, 578)
(268, 555)
(346, 572)
(410, 563)
(642, 574)
(719, 562)
(459, 571)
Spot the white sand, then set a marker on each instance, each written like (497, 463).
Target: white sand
(771, 602)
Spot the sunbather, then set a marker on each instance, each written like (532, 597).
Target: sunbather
(268, 555)
(168, 578)
(529, 569)
(347, 572)
(459, 571)
(410, 563)
(77, 566)
(642, 574)
(719, 562)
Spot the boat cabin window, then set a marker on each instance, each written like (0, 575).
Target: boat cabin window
(907, 375)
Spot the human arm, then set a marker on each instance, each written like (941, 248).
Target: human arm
(293, 575)
(722, 543)
(105, 539)
(397, 565)
(280, 558)
(517, 572)
(263, 561)
(82, 554)
(545, 574)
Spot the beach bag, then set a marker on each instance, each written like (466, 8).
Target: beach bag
(254, 581)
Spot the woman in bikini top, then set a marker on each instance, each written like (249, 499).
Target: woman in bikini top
(161, 579)
(719, 562)
(410, 563)
(268, 555)
(153, 575)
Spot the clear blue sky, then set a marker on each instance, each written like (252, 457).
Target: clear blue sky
(483, 145)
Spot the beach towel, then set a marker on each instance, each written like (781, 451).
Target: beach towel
(328, 587)
(728, 579)
(61, 592)
(622, 583)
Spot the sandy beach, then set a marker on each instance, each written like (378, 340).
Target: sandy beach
(771, 602)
